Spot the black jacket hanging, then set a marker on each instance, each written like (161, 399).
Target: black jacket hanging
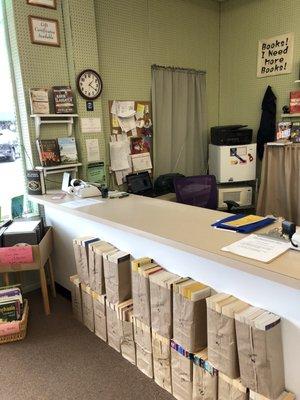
(267, 128)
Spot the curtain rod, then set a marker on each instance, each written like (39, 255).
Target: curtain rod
(179, 69)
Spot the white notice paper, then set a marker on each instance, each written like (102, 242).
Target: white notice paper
(123, 109)
(90, 125)
(81, 203)
(258, 247)
(127, 124)
(92, 149)
(118, 155)
(141, 162)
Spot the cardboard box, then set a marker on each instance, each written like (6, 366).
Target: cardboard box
(261, 359)
(143, 343)
(189, 323)
(87, 307)
(113, 327)
(231, 389)
(117, 274)
(205, 378)
(162, 361)
(96, 269)
(222, 346)
(182, 376)
(76, 297)
(99, 305)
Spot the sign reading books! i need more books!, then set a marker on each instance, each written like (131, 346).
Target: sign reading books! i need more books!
(63, 100)
(48, 152)
(39, 101)
(67, 150)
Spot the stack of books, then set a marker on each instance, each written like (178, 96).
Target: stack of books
(11, 304)
(59, 151)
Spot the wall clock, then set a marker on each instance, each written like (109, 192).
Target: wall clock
(89, 84)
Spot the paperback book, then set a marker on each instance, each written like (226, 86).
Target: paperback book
(48, 152)
(35, 182)
(68, 150)
(63, 100)
(39, 101)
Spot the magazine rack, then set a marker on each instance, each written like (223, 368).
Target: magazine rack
(41, 259)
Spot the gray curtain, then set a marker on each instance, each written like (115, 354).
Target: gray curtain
(180, 138)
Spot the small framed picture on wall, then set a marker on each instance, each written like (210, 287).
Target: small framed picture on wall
(43, 3)
(44, 31)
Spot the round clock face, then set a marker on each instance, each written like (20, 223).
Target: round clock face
(89, 84)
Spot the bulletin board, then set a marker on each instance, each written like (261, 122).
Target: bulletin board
(139, 132)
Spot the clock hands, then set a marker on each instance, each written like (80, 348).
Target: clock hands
(92, 86)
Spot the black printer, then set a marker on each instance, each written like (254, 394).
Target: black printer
(228, 135)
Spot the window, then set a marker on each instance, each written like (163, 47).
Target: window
(12, 181)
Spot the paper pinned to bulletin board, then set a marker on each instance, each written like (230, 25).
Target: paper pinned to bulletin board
(131, 122)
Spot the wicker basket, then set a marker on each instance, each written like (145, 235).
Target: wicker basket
(23, 328)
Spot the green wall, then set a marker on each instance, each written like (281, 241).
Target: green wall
(120, 39)
(45, 66)
(243, 24)
(133, 34)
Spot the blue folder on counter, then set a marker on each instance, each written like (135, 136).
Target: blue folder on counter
(227, 223)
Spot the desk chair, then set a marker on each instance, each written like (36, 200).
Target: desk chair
(199, 191)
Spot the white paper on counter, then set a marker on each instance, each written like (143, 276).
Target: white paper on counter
(258, 247)
(81, 203)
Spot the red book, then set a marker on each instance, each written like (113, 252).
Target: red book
(295, 102)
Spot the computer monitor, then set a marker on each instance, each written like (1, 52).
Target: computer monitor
(139, 183)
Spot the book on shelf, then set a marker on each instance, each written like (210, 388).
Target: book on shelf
(48, 152)
(39, 100)
(295, 102)
(67, 150)
(295, 132)
(35, 182)
(63, 100)
(283, 130)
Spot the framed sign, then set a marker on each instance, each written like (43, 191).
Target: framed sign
(44, 31)
(43, 3)
(275, 55)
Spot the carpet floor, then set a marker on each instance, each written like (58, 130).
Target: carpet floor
(60, 359)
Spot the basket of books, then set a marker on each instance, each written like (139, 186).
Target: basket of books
(13, 315)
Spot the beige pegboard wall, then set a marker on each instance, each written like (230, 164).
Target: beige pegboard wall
(243, 24)
(39, 66)
(134, 34)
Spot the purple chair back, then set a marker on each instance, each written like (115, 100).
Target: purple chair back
(200, 191)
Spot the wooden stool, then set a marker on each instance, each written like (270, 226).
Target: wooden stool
(41, 259)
